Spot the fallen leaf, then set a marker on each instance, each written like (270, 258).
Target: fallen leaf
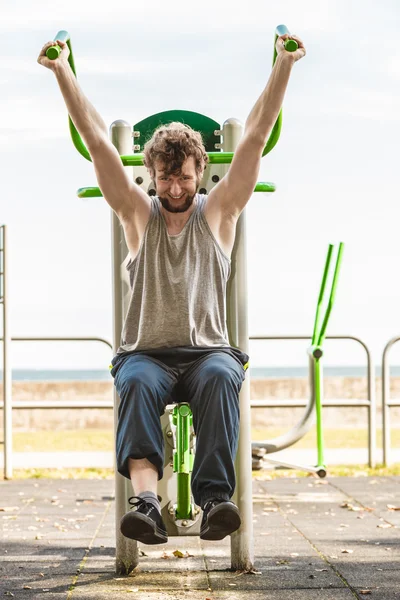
(384, 525)
(180, 554)
(345, 551)
(27, 587)
(8, 508)
(254, 572)
(389, 506)
(365, 592)
(350, 506)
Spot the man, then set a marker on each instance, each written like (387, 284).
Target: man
(174, 342)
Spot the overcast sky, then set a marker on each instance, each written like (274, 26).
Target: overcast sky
(336, 165)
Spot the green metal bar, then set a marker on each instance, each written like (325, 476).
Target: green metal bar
(321, 296)
(316, 346)
(137, 159)
(95, 192)
(332, 296)
(318, 412)
(182, 460)
(52, 53)
(290, 46)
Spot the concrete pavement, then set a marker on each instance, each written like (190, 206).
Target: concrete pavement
(332, 539)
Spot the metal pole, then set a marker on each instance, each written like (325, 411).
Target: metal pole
(127, 556)
(371, 410)
(386, 459)
(242, 550)
(7, 385)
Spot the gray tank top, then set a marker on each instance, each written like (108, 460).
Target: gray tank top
(178, 285)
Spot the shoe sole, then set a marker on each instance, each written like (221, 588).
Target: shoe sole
(137, 526)
(221, 521)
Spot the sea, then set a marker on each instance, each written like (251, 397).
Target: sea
(255, 372)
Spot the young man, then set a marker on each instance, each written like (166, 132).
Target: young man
(174, 341)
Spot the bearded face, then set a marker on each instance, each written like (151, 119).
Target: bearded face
(176, 192)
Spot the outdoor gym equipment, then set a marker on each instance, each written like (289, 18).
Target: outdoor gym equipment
(314, 405)
(220, 144)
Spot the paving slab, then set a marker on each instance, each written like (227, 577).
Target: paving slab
(329, 539)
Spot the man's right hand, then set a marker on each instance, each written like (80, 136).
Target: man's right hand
(53, 64)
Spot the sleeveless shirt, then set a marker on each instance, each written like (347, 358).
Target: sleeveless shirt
(178, 285)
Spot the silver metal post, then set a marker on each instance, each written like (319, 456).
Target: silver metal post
(386, 442)
(371, 410)
(7, 385)
(127, 556)
(242, 552)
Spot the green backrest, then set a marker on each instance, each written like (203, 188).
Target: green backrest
(196, 121)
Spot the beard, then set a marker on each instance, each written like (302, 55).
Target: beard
(177, 209)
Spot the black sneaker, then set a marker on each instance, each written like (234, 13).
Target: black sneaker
(220, 518)
(144, 524)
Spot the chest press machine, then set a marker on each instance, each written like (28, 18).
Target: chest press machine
(180, 515)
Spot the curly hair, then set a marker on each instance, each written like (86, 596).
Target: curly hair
(171, 145)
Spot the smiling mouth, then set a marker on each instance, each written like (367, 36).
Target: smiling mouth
(176, 197)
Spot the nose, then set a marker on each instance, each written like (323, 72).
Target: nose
(176, 188)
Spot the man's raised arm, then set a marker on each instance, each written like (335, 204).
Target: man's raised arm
(121, 193)
(235, 189)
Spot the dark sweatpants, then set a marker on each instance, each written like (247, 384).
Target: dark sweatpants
(210, 380)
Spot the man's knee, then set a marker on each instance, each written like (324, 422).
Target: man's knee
(133, 381)
(222, 373)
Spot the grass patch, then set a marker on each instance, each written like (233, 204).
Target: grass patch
(90, 473)
(264, 475)
(334, 471)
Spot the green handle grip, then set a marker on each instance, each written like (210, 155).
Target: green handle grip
(54, 51)
(290, 45)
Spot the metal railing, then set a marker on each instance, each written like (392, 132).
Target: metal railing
(8, 405)
(387, 402)
(369, 403)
